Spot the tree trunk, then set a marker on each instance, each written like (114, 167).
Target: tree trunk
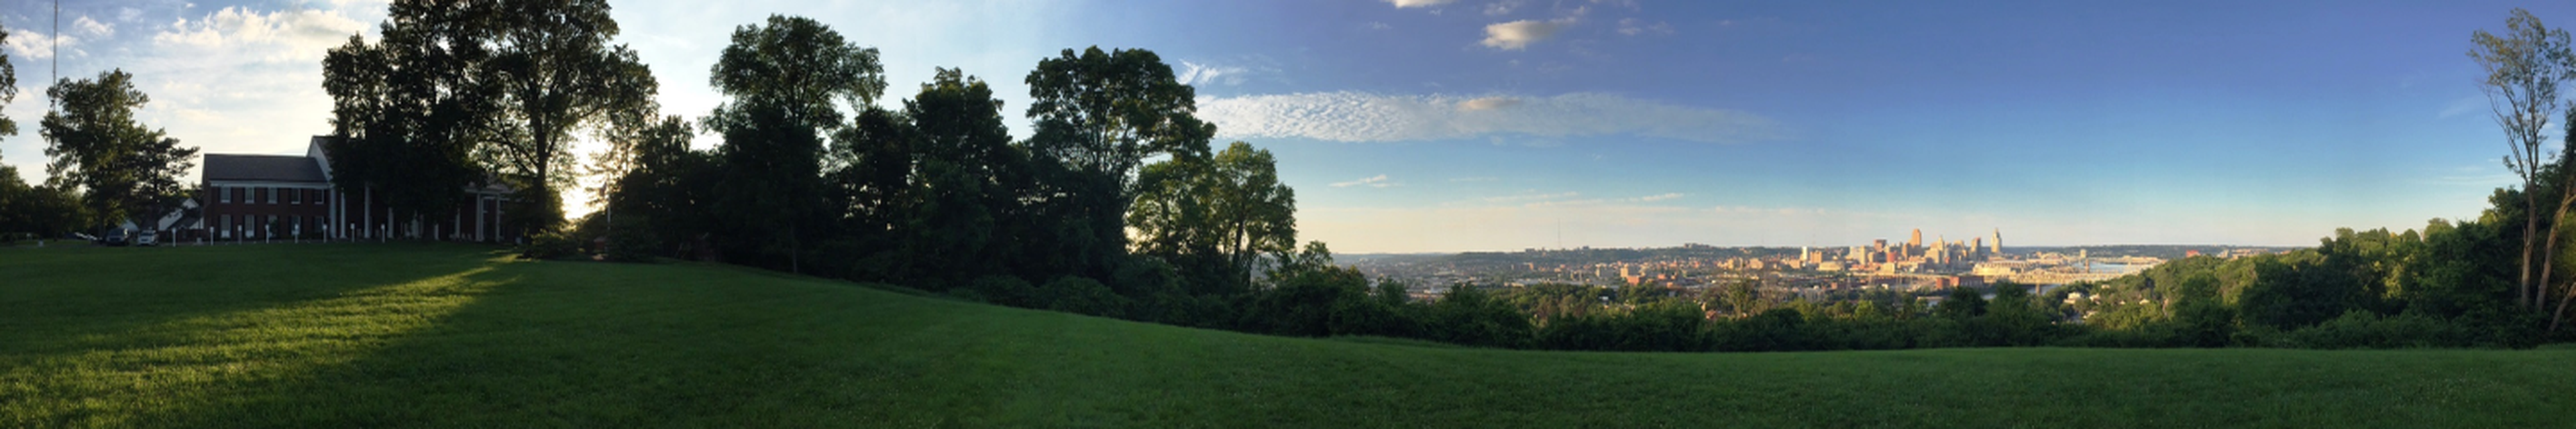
(2530, 231)
(2549, 253)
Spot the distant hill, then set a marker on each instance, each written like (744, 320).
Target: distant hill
(404, 335)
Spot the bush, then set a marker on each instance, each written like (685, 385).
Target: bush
(629, 241)
(2363, 329)
(1664, 327)
(1082, 295)
(1780, 329)
(1002, 290)
(1468, 316)
(551, 245)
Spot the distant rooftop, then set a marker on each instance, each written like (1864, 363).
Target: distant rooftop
(269, 168)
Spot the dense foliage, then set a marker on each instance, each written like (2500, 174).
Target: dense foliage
(1118, 206)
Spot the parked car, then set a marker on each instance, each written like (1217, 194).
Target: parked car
(147, 238)
(113, 238)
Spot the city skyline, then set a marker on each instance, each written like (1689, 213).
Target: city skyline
(1464, 125)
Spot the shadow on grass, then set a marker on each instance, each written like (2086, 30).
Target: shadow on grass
(148, 366)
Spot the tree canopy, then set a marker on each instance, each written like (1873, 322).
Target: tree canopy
(122, 168)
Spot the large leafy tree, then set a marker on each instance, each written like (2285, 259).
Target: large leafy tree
(963, 210)
(2526, 69)
(123, 168)
(788, 80)
(1098, 115)
(411, 108)
(1218, 217)
(553, 63)
(652, 175)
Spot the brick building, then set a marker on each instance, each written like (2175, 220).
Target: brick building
(276, 197)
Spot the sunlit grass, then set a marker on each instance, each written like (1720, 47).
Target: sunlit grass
(410, 335)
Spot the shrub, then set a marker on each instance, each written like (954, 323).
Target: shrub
(1082, 295)
(551, 245)
(1003, 290)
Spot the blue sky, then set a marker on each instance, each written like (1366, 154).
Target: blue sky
(1419, 125)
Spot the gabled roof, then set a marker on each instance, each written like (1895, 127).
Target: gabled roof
(266, 168)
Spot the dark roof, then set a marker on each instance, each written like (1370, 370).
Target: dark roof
(268, 168)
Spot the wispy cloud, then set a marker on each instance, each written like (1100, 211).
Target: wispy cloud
(2473, 104)
(1659, 197)
(1196, 74)
(1474, 179)
(1632, 27)
(92, 27)
(1488, 103)
(1368, 117)
(1378, 181)
(1400, 4)
(1516, 35)
(1531, 197)
(281, 36)
(31, 44)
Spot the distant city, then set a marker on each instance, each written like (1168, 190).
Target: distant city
(1910, 266)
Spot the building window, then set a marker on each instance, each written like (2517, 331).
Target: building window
(295, 196)
(272, 194)
(221, 194)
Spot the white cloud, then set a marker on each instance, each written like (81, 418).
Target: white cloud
(1196, 74)
(1658, 197)
(1378, 181)
(1367, 117)
(1488, 103)
(1503, 7)
(30, 44)
(1400, 4)
(92, 27)
(1515, 35)
(281, 36)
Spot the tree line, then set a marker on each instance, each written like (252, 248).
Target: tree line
(1117, 205)
(103, 167)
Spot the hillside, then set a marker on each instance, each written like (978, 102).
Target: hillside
(369, 335)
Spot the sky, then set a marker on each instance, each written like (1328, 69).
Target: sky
(1479, 125)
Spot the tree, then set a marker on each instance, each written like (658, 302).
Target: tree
(787, 80)
(8, 93)
(963, 207)
(643, 153)
(411, 108)
(1220, 216)
(122, 168)
(2526, 68)
(552, 63)
(1097, 116)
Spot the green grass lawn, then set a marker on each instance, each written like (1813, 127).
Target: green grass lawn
(382, 335)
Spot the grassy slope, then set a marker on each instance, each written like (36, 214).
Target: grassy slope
(404, 335)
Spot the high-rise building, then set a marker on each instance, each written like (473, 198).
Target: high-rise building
(1977, 244)
(1999, 241)
(1915, 242)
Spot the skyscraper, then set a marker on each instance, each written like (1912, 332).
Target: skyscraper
(1999, 241)
(1915, 242)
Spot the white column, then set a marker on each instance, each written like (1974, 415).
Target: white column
(369, 219)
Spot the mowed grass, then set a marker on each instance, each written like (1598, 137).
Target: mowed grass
(402, 335)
